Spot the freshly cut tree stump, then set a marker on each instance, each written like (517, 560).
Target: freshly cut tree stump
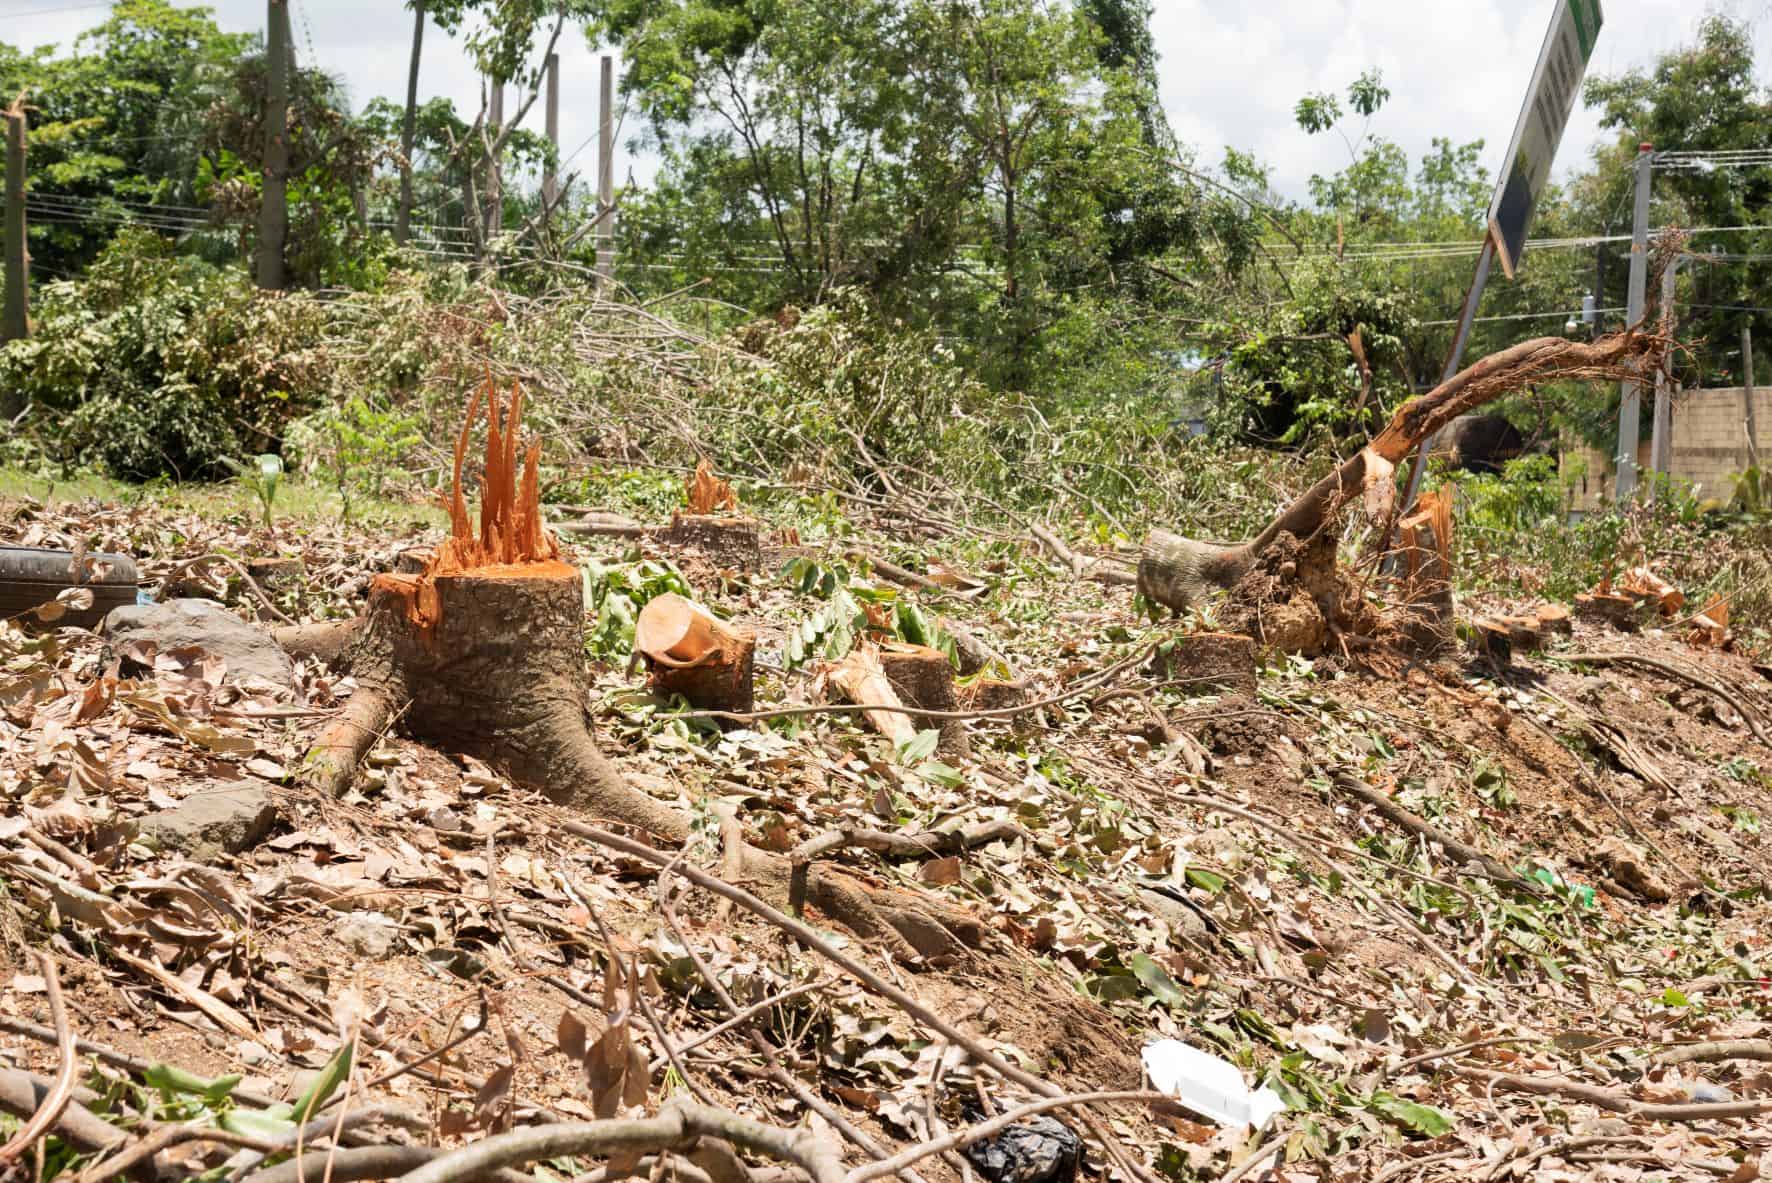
(1553, 620)
(923, 677)
(729, 543)
(1425, 554)
(1208, 661)
(1610, 609)
(484, 651)
(992, 694)
(690, 651)
(1494, 640)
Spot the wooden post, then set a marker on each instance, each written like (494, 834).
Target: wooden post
(409, 129)
(1747, 395)
(273, 214)
(550, 179)
(16, 322)
(606, 174)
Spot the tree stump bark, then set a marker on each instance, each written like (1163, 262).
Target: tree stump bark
(729, 543)
(923, 677)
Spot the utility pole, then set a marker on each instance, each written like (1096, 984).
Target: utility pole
(1630, 407)
(1747, 395)
(273, 214)
(606, 175)
(1661, 428)
(15, 324)
(1467, 316)
(409, 129)
(550, 179)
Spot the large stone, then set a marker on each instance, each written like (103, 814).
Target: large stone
(218, 819)
(246, 651)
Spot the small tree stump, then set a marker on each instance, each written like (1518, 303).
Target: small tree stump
(690, 651)
(1524, 632)
(276, 574)
(729, 543)
(1553, 620)
(1208, 661)
(1494, 640)
(923, 677)
(1610, 609)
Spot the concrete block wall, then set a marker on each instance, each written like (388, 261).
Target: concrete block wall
(1709, 445)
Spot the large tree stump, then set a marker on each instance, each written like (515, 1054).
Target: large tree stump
(484, 650)
(924, 678)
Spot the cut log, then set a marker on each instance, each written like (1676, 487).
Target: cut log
(414, 559)
(600, 523)
(1178, 572)
(923, 677)
(975, 653)
(1203, 662)
(861, 678)
(1609, 609)
(730, 543)
(690, 651)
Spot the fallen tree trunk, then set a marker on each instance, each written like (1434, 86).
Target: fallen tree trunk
(482, 652)
(1176, 572)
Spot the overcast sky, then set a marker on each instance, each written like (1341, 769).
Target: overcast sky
(1231, 69)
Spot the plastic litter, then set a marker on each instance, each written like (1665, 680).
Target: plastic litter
(1210, 1086)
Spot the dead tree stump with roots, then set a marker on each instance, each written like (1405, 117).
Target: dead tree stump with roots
(1178, 572)
(482, 652)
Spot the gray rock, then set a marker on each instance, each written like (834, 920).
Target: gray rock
(367, 934)
(219, 819)
(1182, 920)
(246, 651)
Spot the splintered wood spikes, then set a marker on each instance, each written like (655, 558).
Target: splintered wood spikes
(511, 542)
(511, 530)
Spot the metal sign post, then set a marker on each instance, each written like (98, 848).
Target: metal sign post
(1550, 97)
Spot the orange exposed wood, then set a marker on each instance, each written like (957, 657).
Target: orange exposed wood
(511, 531)
(512, 542)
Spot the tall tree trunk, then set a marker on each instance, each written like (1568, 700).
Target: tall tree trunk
(273, 216)
(409, 127)
(1011, 239)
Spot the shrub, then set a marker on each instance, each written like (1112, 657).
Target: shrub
(156, 364)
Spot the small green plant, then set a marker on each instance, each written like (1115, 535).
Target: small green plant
(1490, 781)
(359, 445)
(616, 592)
(262, 476)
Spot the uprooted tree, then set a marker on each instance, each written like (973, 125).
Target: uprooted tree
(1284, 583)
(482, 652)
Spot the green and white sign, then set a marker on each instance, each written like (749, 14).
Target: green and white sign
(1556, 84)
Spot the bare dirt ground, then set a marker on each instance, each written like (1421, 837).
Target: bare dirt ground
(1186, 866)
